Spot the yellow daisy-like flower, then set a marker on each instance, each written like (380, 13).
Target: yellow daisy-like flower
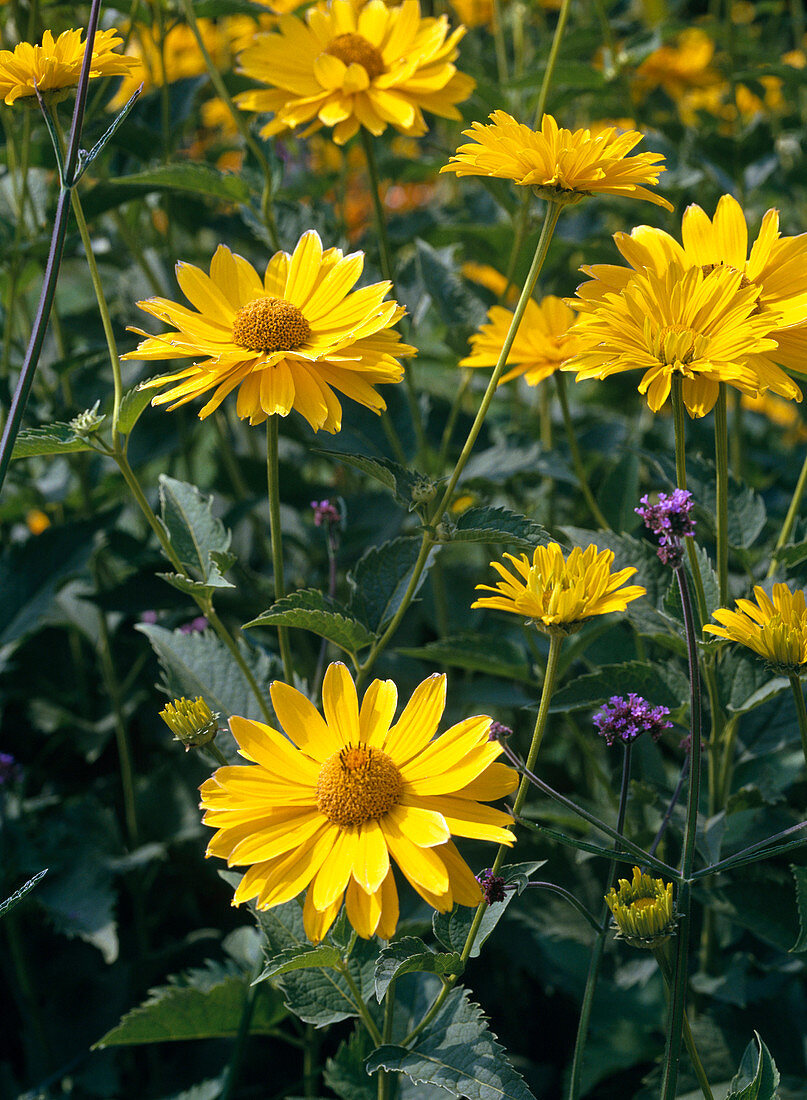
(642, 909)
(353, 65)
(702, 327)
(559, 593)
(683, 69)
(775, 627)
(775, 268)
(56, 64)
(287, 341)
(542, 343)
(562, 165)
(329, 805)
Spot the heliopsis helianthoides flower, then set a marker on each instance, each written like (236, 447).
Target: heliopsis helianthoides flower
(775, 627)
(561, 165)
(642, 909)
(287, 341)
(350, 65)
(558, 594)
(334, 802)
(775, 268)
(702, 327)
(542, 343)
(55, 66)
(684, 70)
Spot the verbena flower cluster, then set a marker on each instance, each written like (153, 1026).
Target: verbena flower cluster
(625, 720)
(671, 519)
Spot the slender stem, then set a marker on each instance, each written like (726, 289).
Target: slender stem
(121, 736)
(310, 1072)
(522, 222)
(563, 15)
(239, 1043)
(665, 821)
(276, 536)
(790, 518)
(216, 753)
(577, 460)
(681, 478)
(798, 696)
(385, 255)
(454, 412)
(242, 493)
(722, 488)
(662, 958)
(384, 1079)
(361, 1007)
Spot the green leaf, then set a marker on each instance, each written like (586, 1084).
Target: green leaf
(711, 588)
(314, 611)
(392, 475)
(381, 577)
(206, 1003)
(195, 533)
(745, 681)
(619, 492)
(500, 525)
(758, 1077)
(408, 956)
(800, 875)
(452, 297)
(300, 958)
(663, 685)
(187, 177)
(456, 1052)
(476, 653)
(793, 554)
(452, 929)
(15, 899)
(195, 588)
(133, 403)
(53, 439)
(345, 1073)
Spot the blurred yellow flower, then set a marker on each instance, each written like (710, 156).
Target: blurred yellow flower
(642, 909)
(558, 594)
(543, 341)
(775, 627)
(56, 65)
(561, 165)
(783, 414)
(348, 66)
(334, 802)
(286, 341)
(473, 13)
(679, 67)
(37, 521)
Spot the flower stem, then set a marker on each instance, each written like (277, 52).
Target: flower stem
(554, 49)
(577, 461)
(790, 518)
(681, 478)
(798, 696)
(361, 1007)
(722, 490)
(275, 534)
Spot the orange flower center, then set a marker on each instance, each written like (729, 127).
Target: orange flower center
(358, 784)
(644, 903)
(270, 324)
(355, 49)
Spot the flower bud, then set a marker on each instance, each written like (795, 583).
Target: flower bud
(89, 421)
(642, 910)
(191, 722)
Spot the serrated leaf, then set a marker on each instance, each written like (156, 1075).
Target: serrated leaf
(192, 528)
(793, 554)
(758, 1077)
(300, 958)
(133, 404)
(711, 588)
(195, 588)
(745, 681)
(193, 178)
(398, 479)
(452, 929)
(345, 1073)
(800, 875)
(500, 525)
(458, 1053)
(311, 610)
(408, 956)
(452, 297)
(476, 653)
(381, 577)
(51, 440)
(663, 685)
(15, 899)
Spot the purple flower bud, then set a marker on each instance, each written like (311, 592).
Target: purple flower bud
(626, 719)
(195, 626)
(325, 513)
(671, 519)
(498, 732)
(493, 886)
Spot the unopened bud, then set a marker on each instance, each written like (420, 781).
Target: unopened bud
(89, 421)
(423, 491)
(642, 910)
(191, 721)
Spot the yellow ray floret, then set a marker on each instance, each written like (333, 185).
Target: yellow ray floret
(541, 345)
(559, 593)
(775, 626)
(56, 63)
(350, 65)
(285, 341)
(564, 165)
(347, 793)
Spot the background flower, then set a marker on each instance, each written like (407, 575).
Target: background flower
(56, 64)
(775, 626)
(542, 341)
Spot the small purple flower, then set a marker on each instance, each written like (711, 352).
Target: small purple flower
(671, 519)
(493, 887)
(10, 771)
(624, 720)
(148, 617)
(498, 732)
(325, 513)
(195, 626)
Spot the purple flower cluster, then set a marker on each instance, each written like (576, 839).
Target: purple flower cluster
(498, 731)
(493, 886)
(624, 720)
(325, 513)
(671, 519)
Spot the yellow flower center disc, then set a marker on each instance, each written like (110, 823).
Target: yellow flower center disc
(270, 324)
(677, 346)
(354, 48)
(643, 903)
(358, 784)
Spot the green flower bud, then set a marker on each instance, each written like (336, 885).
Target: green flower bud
(192, 722)
(642, 910)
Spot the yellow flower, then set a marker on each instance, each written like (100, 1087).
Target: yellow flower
(642, 909)
(678, 68)
(286, 341)
(351, 65)
(326, 806)
(560, 594)
(37, 521)
(781, 413)
(702, 327)
(491, 279)
(56, 64)
(542, 343)
(473, 13)
(562, 165)
(775, 269)
(191, 721)
(774, 627)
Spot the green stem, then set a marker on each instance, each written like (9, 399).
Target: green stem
(661, 957)
(722, 489)
(577, 460)
(563, 15)
(681, 478)
(310, 1072)
(275, 534)
(790, 518)
(798, 696)
(384, 1079)
(216, 753)
(361, 1007)
(451, 422)
(239, 1043)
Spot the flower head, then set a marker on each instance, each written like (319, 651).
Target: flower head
(642, 909)
(670, 518)
(564, 165)
(350, 65)
(624, 720)
(775, 627)
(493, 886)
(56, 64)
(559, 593)
(700, 325)
(191, 721)
(334, 802)
(286, 341)
(541, 345)
(326, 514)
